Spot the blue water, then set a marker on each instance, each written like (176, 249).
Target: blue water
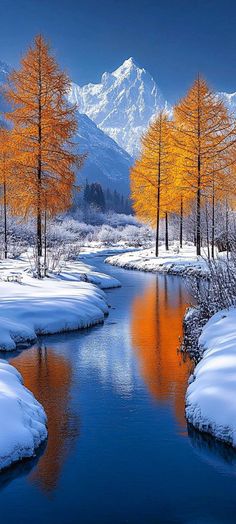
(119, 450)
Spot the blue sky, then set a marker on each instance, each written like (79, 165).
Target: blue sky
(173, 39)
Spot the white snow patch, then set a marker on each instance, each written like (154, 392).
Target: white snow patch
(22, 418)
(176, 261)
(211, 394)
(64, 302)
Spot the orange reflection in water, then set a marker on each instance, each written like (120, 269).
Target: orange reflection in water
(48, 375)
(156, 327)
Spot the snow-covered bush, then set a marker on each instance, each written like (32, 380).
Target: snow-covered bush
(211, 295)
(108, 235)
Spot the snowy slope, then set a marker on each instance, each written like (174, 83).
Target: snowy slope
(106, 163)
(122, 104)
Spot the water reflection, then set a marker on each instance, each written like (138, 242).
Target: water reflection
(48, 375)
(156, 327)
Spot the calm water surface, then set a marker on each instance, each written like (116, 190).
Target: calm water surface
(119, 450)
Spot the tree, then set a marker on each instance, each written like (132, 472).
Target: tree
(6, 175)
(152, 174)
(44, 127)
(204, 136)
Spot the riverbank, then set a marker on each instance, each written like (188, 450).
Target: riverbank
(22, 418)
(211, 394)
(65, 301)
(175, 261)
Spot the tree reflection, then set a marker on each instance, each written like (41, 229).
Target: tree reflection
(156, 328)
(48, 375)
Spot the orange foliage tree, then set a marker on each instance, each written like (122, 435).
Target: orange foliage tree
(204, 140)
(152, 175)
(44, 125)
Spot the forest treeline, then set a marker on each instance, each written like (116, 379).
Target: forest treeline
(105, 199)
(187, 166)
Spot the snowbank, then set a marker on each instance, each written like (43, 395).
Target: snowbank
(75, 271)
(176, 261)
(64, 302)
(22, 418)
(211, 394)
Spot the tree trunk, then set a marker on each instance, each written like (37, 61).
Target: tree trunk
(198, 228)
(181, 223)
(227, 227)
(45, 243)
(158, 220)
(166, 233)
(5, 217)
(213, 220)
(198, 225)
(207, 233)
(158, 196)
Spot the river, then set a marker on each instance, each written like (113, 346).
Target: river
(119, 450)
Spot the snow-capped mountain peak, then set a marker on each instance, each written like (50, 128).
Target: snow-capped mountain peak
(126, 68)
(122, 104)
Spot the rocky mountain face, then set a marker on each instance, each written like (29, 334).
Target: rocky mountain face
(122, 104)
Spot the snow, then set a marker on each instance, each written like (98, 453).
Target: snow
(106, 162)
(122, 104)
(67, 301)
(211, 394)
(176, 261)
(22, 418)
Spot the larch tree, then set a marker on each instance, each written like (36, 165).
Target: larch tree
(6, 176)
(44, 125)
(204, 136)
(152, 175)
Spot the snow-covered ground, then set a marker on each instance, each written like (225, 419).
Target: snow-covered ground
(175, 261)
(22, 418)
(211, 394)
(70, 300)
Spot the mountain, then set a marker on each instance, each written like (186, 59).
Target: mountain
(106, 161)
(122, 104)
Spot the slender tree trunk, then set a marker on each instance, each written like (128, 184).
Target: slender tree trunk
(166, 231)
(207, 233)
(198, 228)
(45, 243)
(5, 217)
(181, 223)
(198, 231)
(158, 194)
(213, 220)
(227, 227)
(158, 216)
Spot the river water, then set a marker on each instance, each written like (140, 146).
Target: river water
(119, 450)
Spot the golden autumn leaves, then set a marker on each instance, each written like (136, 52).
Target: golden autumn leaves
(39, 170)
(186, 160)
